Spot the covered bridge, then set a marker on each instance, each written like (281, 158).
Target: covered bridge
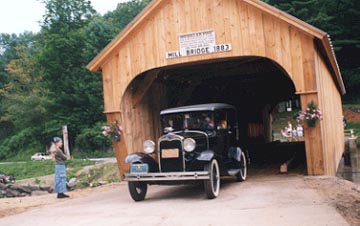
(241, 52)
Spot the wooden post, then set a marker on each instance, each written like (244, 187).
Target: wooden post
(120, 148)
(66, 142)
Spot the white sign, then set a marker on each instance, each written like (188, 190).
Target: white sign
(198, 40)
(198, 43)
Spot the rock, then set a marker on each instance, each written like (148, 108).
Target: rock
(12, 193)
(24, 189)
(2, 186)
(72, 182)
(35, 188)
(11, 190)
(47, 189)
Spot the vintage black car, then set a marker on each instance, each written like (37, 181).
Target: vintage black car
(200, 143)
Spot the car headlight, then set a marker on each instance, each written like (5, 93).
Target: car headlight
(149, 146)
(189, 144)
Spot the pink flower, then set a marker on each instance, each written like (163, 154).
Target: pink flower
(114, 130)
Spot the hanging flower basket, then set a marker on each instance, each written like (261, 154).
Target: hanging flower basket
(114, 131)
(311, 115)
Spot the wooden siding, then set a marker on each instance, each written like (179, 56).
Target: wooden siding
(332, 132)
(252, 29)
(143, 122)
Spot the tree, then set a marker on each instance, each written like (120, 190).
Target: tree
(14, 50)
(124, 14)
(340, 19)
(75, 92)
(43, 80)
(23, 100)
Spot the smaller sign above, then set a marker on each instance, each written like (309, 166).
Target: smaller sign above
(198, 43)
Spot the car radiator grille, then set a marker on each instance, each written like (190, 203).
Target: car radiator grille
(169, 160)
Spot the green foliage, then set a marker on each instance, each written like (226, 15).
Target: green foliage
(93, 139)
(62, 15)
(351, 79)
(15, 72)
(124, 14)
(22, 95)
(44, 84)
(28, 169)
(13, 146)
(98, 34)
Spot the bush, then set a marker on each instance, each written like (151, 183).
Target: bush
(20, 146)
(92, 140)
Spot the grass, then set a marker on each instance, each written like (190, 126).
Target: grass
(106, 173)
(33, 169)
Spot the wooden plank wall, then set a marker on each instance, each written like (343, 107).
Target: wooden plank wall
(332, 132)
(251, 32)
(143, 122)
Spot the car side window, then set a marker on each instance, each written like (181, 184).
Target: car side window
(221, 120)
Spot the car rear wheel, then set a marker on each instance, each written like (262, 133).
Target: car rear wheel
(137, 190)
(241, 176)
(212, 186)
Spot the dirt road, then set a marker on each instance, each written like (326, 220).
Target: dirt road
(272, 200)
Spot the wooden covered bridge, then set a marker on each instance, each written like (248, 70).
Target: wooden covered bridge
(241, 52)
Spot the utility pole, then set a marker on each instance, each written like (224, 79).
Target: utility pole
(66, 142)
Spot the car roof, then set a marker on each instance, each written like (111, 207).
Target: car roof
(197, 107)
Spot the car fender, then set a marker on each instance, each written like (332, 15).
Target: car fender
(235, 153)
(143, 158)
(206, 155)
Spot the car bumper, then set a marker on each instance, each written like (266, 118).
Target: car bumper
(171, 176)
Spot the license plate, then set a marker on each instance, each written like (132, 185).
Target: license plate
(170, 153)
(139, 168)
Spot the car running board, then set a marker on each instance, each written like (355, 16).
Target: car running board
(233, 172)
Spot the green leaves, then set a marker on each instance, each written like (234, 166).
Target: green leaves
(44, 83)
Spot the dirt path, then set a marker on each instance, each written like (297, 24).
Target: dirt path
(339, 193)
(270, 200)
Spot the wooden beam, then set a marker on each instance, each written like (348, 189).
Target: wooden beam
(143, 86)
(284, 168)
(307, 92)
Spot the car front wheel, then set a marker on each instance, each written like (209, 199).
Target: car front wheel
(212, 186)
(137, 190)
(241, 176)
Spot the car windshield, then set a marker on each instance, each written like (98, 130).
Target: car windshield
(190, 120)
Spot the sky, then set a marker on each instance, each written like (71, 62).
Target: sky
(17, 16)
